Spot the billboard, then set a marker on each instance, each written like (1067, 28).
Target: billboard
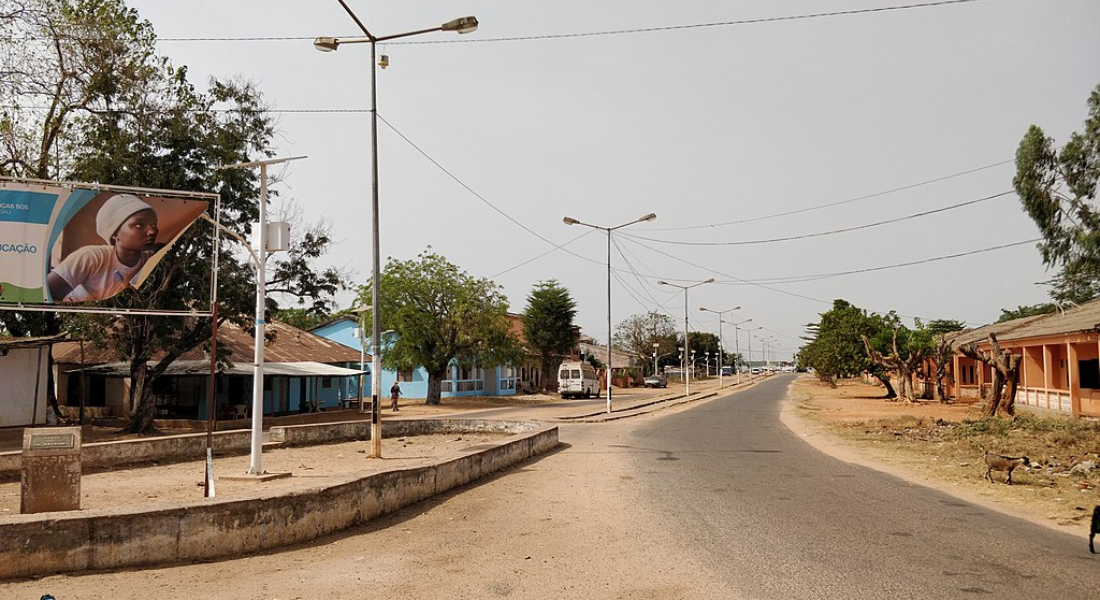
(66, 244)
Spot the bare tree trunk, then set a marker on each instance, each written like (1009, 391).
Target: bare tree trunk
(1006, 370)
(435, 383)
(144, 409)
(891, 393)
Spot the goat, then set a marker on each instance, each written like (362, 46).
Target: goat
(1095, 528)
(996, 462)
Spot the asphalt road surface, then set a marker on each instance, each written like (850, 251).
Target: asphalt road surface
(715, 500)
(778, 519)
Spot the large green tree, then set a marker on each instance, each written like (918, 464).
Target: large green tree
(548, 325)
(118, 114)
(1058, 190)
(638, 333)
(835, 346)
(442, 314)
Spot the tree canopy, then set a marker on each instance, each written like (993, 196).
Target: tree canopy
(118, 114)
(548, 325)
(442, 314)
(1058, 190)
(637, 334)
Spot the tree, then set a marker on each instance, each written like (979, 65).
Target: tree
(118, 114)
(1006, 371)
(1058, 191)
(905, 351)
(702, 343)
(941, 352)
(836, 348)
(548, 325)
(637, 334)
(1033, 310)
(73, 56)
(442, 314)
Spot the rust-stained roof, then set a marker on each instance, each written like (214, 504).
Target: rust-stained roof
(290, 345)
(1083, 318)
(981, 334)
(31, 342)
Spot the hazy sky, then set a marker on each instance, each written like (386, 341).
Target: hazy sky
(736, 121)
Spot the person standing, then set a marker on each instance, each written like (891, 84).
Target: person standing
(395, 393)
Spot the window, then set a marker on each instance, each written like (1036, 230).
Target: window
(1089, 373)
(326, 382)
(404, 375)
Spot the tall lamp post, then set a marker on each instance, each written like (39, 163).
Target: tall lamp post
(721, 342)
(750, 330)
(737, 346)
(642, 219)
(656, 345)
(331, 44)
(687, 375)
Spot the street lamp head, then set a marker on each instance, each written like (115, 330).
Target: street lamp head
(662, 282)
(648, 218)
(711, 280)
(461, 25)
(570, 221)
(326, 44)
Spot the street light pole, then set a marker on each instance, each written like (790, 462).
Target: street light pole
(331, 44)
(687, 375)
(642, 219)
(656, 345)
(721, 341)
(750, 348)
(259, 256)
(737, 347)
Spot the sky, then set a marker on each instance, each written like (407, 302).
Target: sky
(756, 130)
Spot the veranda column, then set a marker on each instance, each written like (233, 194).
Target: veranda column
(1072, 370)
(1048, 373)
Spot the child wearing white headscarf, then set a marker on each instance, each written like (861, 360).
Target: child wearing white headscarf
(129, 226)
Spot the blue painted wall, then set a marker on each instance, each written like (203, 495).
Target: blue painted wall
(342, 332)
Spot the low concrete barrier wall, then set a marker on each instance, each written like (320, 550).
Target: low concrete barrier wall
(192, 446)
(47, 543)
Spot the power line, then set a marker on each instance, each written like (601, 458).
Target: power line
(839, 202)
(562, 36)
(640, 30)
(823, 233)
(821, 276)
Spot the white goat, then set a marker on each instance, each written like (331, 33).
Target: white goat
(996, 462)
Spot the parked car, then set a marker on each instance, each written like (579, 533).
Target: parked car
(656, 381)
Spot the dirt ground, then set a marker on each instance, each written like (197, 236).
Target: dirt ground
(942, 446)
(309, 466)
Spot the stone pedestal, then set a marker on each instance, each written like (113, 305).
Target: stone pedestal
(51, 469)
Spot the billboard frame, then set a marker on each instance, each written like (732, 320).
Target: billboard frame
(213, 198)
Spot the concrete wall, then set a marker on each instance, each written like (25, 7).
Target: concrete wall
(47, 543)
(24, 373)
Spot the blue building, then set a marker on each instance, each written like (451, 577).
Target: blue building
(461, 381)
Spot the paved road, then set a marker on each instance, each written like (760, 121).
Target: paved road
(710, 501)
(778, 519)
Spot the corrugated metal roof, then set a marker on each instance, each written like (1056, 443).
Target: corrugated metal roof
(981, 334)
(32, 342)
(1083, 318)
(290, 345)
(202, 367)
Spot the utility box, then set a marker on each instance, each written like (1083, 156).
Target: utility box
(51, 470)
(278, 237)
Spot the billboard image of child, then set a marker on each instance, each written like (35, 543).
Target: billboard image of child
(77, 245)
